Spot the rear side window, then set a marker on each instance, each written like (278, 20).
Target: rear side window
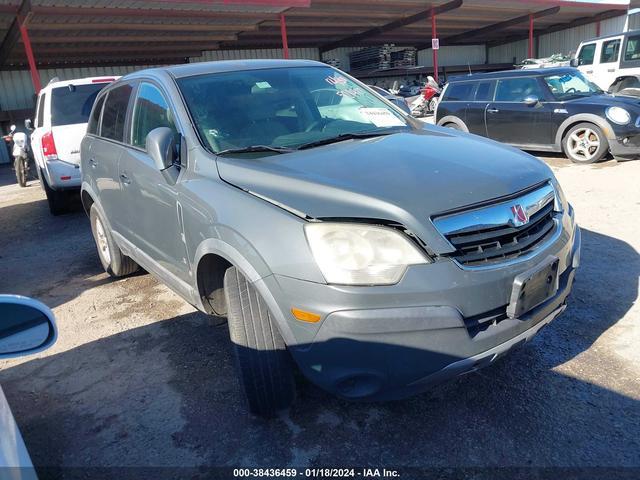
(610, 51)
(115, 113)
(459, 92)
(151, 111)
(94, 121)
(632, 50)
(587, 53)
(40, 112)
(484, 92)
(72, 104)
(517, 89)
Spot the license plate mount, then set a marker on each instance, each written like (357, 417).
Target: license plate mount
(533, 287)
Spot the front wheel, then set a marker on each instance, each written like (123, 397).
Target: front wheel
(21, 171)
(264, 365)
(585, 143)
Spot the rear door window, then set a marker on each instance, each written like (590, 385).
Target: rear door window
(610, 51)
(114, 113)
(40, 112)
(459, 92)
(72, 104)
(632, 49)
(517, 89)
(587, 54)
(151, 111)
(484, 92)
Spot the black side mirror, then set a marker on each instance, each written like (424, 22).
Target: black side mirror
(27, 124)
(574, 62)
(161, 147)
(26, 326)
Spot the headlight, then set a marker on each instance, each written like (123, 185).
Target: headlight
(618, 115)
(355, 254)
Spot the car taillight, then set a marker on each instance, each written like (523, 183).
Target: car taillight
(49, 147)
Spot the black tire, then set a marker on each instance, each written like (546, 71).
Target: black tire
(57, 200)
(594, 148)
(21, 173)
(114, 262)
(264, 365)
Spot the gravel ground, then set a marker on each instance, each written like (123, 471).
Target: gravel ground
(138, 378)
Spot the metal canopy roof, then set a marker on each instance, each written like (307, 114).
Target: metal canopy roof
(84, 32)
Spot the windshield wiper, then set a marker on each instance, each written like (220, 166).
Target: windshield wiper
(255, 148)
(345, 136)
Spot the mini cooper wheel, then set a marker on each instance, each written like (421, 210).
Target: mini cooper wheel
(114, 262)
(585, 143)
(264, 365)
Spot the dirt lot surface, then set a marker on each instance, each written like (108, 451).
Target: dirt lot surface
(138, 378)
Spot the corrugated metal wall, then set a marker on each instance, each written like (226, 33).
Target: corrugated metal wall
(634, 21)
(16, 89)
(453, 55)
(564, 41)
(294, 53)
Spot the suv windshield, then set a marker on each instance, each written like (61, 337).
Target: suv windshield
(570, 85)
(72, 104)
(282, 108)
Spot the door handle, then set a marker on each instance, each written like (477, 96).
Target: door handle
(93, 163)
(611, 70)
(589, 71)
(126, 180)
(492, 110)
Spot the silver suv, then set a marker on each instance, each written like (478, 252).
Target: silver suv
(378, 254)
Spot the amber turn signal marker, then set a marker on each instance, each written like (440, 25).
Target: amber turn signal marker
(305, 316)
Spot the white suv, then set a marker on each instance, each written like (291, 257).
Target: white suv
(62, 113)
(611, 62)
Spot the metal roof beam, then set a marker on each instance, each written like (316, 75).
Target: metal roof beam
(13, 34)
(74, 39)
(418, 17)
(561, 26)
(496, 27)
(136, 27)
(93, 12)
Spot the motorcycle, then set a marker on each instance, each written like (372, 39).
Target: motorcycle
(427, 102)
(20, 154)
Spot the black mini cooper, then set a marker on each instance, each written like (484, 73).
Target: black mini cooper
(547, 109)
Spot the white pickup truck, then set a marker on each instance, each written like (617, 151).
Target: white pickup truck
(612, 62)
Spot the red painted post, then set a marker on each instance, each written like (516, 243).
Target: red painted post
(531, 54)
(283, 33)
(35, 76)
(434, 34)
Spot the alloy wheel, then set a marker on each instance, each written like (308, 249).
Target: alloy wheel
(584, 144)
(103, 245)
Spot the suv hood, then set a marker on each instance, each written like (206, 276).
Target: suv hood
(403, 177)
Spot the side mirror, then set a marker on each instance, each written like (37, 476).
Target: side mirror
(531, 100)
(574, 62)
(161, 147)
(27, 124)
(26, 326)
(12, 129)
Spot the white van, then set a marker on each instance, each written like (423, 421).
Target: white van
(611, 62)
(62, 113)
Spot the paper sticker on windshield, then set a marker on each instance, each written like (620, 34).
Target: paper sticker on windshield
(263, 85)
(381, 117)
(336, 80)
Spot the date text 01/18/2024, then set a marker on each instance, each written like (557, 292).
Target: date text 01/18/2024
(316, 473)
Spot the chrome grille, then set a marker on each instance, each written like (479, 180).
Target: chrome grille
(492, 234)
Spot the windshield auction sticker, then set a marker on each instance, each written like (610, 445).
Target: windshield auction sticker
(381, 117)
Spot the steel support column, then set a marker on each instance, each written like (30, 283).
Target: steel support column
(531, 54)
(434, 34)
(283, 33)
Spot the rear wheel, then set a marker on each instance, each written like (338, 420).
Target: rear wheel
(21, 171)
(585, 143)
(264, 364)
(114, 262)
(56, 199)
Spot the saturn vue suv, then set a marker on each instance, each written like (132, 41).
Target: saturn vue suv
(375, 253)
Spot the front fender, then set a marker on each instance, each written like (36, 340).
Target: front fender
(584, 117)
